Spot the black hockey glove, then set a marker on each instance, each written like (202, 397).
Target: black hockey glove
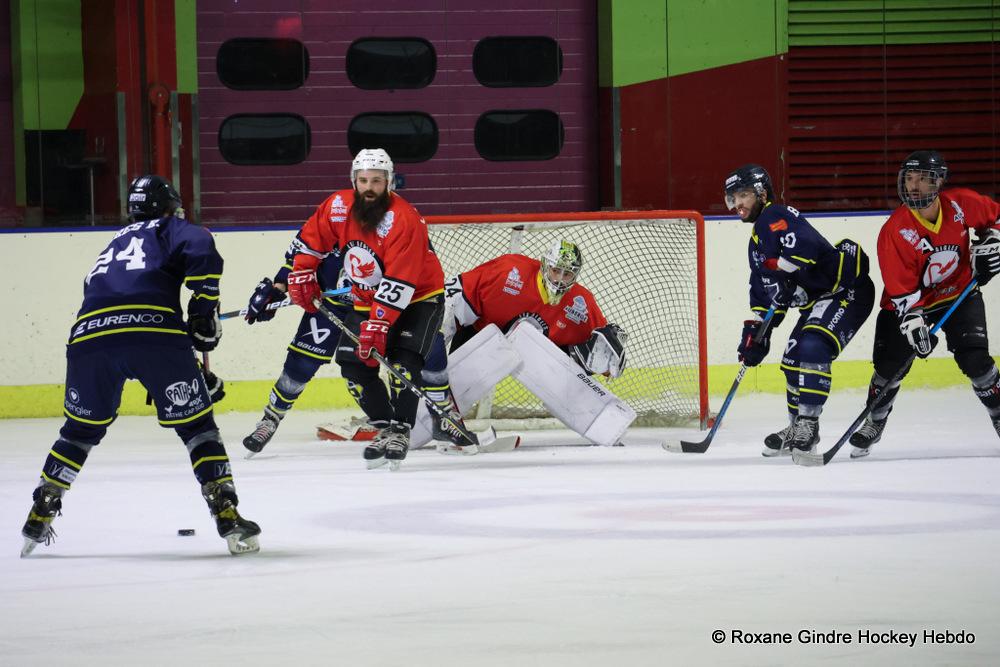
(751, 352)
(263, 296)
(783, 294)
(986, 257)
(914, 327)
(213, 384)
(204, 329)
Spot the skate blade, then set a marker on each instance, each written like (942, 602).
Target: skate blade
(395, 464)
(238, 547)
(372, 464)
(250, 454)
(29, 546)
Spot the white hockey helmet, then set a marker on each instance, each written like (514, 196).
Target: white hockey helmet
(373, 158)
(561, 266)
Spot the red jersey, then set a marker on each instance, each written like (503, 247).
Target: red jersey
(927, 264)
(509, 288)
(389, 267)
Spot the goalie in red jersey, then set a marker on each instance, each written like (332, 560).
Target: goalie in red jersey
(532, 319)
(397, 285)
(926, 261)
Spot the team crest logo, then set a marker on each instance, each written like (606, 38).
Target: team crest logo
(180, 393)
(74, 395)
(942, 263)
(385, 225)
(576, 311)
(361, 265)
(337, 208)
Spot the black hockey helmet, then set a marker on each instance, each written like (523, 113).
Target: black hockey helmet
(749, 176)
(151, 197)
(932, 167)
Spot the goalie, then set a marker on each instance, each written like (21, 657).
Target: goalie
(516, 315)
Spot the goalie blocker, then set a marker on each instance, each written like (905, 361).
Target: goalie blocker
(568, 393)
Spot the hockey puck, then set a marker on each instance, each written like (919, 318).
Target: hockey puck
(186, 532)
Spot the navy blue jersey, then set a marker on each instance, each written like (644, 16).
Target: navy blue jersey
(133, 289)
(784, 246)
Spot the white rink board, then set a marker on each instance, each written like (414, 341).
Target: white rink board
(550, 555)
(39, 308)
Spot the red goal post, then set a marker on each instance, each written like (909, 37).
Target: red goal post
(647, 272)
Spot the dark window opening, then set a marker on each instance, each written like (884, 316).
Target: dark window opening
(391, 63)
(257, 139)
(536, 134)
(250, 63)
(508, 62)
(409, 136)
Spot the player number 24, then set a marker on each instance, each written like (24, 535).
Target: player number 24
(132, 255)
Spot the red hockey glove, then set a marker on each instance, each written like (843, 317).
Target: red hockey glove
(303, 288)
(372, 339)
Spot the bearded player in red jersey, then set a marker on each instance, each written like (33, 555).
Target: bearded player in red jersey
(926, 261)
(398, 290)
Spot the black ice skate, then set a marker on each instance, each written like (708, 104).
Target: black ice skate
(444, 430)
(866, 436)
(397, 444)
(38, 527)
(239, 533)
(776, 444)
(805, 433)
(262, 434)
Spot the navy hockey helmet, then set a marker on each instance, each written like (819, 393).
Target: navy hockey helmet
(749, 176)
(151, 197)
(933, 171)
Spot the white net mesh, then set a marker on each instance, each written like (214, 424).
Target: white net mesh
(644, 274)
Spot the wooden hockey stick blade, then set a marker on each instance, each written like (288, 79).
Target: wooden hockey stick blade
(811, 459)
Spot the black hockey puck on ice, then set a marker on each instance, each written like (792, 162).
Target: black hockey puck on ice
(185, 532)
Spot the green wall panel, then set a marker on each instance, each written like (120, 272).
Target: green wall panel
(50, 57)
(653, 39)
(187, 46)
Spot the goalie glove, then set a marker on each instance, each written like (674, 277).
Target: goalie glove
(986, 256)
(604, 353)
(914, 327)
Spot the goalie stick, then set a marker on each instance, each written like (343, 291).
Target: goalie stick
(280, 304)
(405, 381)
(702, 447)
(809, 459)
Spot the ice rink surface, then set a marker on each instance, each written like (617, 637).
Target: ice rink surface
(555, 554)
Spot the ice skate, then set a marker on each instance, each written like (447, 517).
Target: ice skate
(397, 444)
(444, 430)
(866, 436)
(239, 533)
(805, 434)
(38, 528)
(262, 434)
(776, 444)
(996, 426)
(375, 450)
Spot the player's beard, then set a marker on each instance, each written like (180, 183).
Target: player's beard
(369, 212)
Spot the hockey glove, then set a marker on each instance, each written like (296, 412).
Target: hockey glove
(303, 288)
(914, 327)
(205, 330)
(213, 384)
(372, 338)
(262, 297)
(986, 257)
(751, 352)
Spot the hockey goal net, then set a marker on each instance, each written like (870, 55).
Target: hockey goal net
(646, 270)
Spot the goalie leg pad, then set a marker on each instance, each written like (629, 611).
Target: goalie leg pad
(582, 404)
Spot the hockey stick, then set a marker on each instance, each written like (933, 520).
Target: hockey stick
(804, 458)
(702, 447)
(405, 381)
(280, 304)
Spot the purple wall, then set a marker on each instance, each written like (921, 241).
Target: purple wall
(456, 179)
